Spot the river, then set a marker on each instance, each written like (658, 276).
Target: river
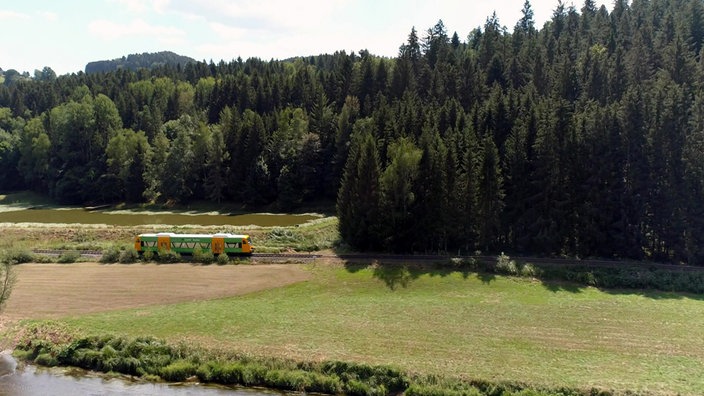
(29, 380)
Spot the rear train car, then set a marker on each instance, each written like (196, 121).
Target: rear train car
(187, 244)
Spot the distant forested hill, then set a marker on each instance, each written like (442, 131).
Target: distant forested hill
(138, 61)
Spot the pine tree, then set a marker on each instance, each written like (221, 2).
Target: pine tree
(359, 198)
(490, 202)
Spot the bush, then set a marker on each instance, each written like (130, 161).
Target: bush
(504, 265)
(111, 255)
(168, 257)
(18, 256)
(203, 257)
(148, 256)
(129, 256)
(223, 259)
(69, 257)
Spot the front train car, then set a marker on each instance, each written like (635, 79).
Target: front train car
(187, 244)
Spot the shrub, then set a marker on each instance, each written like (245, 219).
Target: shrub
(223, 259)
(128, 256)
(530, 271)
(504, 265)
(111, 255)
(18, 256)
(69, 257)
(168, 257)
(148, 256)
(203, 257)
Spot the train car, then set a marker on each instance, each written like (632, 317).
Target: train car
(187, 244)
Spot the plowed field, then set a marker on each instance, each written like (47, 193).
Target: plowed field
(55, 290)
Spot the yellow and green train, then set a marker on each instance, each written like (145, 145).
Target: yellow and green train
(186, 244)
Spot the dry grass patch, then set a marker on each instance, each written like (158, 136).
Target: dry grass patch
(55, 290)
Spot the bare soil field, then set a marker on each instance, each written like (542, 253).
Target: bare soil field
(46, 291)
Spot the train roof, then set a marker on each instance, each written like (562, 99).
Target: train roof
(172, 235)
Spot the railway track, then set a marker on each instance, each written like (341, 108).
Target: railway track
(427, 258)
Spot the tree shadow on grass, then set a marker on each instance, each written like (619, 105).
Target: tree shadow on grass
(401, 274)
(557, 286)
(486, 277)
(573, 279)
(395, 276)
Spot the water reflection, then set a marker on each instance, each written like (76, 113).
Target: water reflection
(31, 380)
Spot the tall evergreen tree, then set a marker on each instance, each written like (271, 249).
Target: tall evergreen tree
(358, 202)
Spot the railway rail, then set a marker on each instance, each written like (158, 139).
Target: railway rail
(427, 258)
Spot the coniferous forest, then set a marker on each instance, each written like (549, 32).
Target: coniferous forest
(583, 137)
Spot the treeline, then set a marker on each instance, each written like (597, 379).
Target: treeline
(137, 61)
(583, 138)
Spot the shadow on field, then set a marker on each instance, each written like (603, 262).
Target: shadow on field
(656, 285)
(557, 286)
(654, 294)
(401, 275)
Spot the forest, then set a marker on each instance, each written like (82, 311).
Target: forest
(580, 138)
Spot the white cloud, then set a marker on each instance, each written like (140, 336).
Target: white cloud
(138, 27)
(137, 6)
(143, 6)
(279, 14)
(49, 16)
(227, 32)
(8, 14)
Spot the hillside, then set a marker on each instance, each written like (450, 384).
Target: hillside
(138, 61)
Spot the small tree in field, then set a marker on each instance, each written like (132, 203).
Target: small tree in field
(7, 280)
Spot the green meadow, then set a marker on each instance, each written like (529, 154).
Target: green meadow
(452, 324)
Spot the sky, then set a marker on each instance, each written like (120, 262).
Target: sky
(65, 35)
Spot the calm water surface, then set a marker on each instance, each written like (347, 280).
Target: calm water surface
(121, 218)
(32, 380)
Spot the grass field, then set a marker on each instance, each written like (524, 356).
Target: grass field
(447, 323)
